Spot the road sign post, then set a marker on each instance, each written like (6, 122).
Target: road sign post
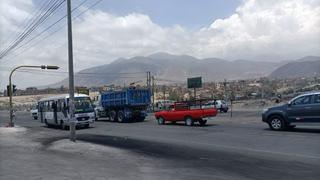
(195, 82)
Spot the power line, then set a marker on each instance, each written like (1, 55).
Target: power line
(46, 29)
(168, 80)
(57, 30)
(82, 73)
(34, 25)
(28, 25)
(76, 75)
(29, 18)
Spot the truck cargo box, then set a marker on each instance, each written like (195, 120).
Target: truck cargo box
(128, 97)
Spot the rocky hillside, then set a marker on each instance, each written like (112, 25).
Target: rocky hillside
(305, 67)
(170, 67)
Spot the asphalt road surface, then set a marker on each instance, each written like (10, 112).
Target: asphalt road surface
(241, 147)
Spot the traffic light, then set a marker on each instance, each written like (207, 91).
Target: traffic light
(8, 90)
(14, 89)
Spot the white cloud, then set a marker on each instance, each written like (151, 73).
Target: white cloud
(288, 29)
(104, 37)
(258, 29)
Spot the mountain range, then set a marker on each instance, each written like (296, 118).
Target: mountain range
(306, 67)
(177, 68)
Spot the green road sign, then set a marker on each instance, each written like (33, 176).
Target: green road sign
(195, 82)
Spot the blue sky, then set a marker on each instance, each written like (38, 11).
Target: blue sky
(191, 14)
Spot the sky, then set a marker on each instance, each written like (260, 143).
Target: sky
(256, 30)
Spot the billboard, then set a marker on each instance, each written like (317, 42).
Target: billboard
(82, 90)
(195, 82)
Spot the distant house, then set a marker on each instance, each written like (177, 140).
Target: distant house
(31, 90)
(254, 85)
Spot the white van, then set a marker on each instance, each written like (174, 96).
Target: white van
(221, 105)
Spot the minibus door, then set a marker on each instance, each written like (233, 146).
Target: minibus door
(54, 108)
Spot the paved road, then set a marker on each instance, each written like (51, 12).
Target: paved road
(241, 147)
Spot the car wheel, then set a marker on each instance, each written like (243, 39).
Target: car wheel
(161, 121)
(121, 117)
(189, 121)
(113, 116)
(202, 122)
(276, 123)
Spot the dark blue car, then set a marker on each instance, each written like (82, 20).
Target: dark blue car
(301, 109)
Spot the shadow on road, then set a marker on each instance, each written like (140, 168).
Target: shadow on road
(298, 130)
(304, 130)
(183, 124)
(58, 127)
(207, 161)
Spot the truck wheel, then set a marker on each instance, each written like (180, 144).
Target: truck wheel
(276, 123)
(161, 121)
(202, 122)
(113, 116)
(189, 121)
(121, 117)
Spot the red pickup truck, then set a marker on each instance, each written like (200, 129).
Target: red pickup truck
(184, 112)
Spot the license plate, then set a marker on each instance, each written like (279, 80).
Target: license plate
(82, 115)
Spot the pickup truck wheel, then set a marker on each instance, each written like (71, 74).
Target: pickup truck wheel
(121, 117)
(276, 123)
(202, 122)
(161, 121)
(189, 121)
(113, 116)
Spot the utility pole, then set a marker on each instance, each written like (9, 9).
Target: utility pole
(148, 80)
(225, 90)
(164, 92)
(72, 120)
(152, 93)
(262, 89)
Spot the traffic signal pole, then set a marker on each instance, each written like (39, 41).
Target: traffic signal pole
(11, 124)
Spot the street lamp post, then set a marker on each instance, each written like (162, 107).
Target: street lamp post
(11, 124)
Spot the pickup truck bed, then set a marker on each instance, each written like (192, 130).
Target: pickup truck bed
(183, 113)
